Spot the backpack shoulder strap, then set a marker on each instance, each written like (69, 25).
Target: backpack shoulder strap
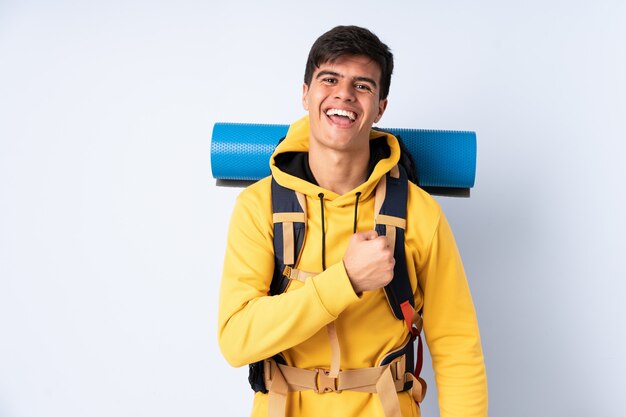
(390, 218)
(289, 218)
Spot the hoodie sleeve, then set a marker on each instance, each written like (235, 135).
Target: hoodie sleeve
(252, 325)
(451, 328)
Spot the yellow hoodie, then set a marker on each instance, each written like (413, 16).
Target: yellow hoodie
(254, 326)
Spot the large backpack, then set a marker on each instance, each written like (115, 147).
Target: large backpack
(289, 216)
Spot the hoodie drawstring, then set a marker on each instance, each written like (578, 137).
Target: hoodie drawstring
(321, 196)
(335, 347)
(356, 212)
(356, 205)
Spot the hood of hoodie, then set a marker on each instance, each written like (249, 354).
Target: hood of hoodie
(296, 143)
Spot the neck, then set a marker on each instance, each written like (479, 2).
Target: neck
(338, 171)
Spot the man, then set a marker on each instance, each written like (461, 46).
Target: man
(334, 322)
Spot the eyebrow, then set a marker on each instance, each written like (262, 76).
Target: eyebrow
(336, 74)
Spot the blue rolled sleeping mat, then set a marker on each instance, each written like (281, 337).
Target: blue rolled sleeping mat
(445, 160)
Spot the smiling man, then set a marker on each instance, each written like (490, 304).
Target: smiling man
(336, 260)
(343, 100)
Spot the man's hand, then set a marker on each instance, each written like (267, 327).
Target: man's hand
(368, 261)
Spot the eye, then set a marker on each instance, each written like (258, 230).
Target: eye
(329, 80)
(363, 87)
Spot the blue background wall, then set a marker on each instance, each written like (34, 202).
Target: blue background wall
(112, 231)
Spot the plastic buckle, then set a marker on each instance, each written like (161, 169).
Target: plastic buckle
(268, 371)
(398, 368)
(325, 382)
(287, 272)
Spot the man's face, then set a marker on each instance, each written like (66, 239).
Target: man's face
(343, 102)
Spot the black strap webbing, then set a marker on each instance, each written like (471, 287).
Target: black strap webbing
(399, 289)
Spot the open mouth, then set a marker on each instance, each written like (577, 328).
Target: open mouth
(341, 117)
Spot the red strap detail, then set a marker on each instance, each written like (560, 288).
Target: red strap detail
(407, 312)
(420, 357)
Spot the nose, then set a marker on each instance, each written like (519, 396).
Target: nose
(344, 91)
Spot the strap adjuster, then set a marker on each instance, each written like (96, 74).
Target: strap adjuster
(325, 383)
(287, 272)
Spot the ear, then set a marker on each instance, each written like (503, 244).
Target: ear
(305, 92)
(382, 106)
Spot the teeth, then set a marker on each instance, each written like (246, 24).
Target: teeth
(339, 112)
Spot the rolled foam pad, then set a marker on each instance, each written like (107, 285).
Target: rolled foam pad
(241, 151)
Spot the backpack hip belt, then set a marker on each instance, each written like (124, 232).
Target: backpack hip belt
(385, 380)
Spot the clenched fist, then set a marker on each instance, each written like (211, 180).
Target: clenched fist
(368, 261)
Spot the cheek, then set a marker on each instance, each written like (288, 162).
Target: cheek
(312, 103)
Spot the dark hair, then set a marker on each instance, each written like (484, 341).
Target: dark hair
(351, 40)
(408, 162)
